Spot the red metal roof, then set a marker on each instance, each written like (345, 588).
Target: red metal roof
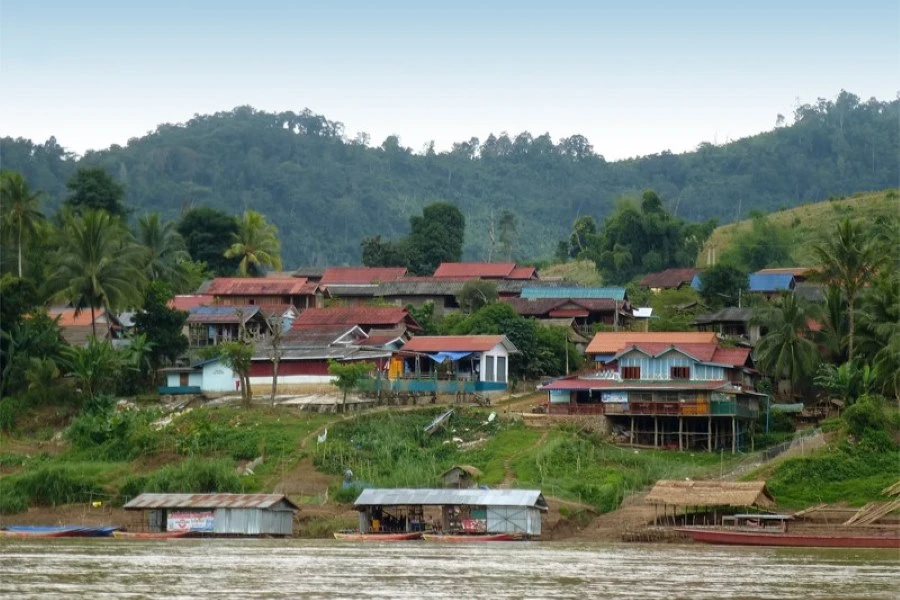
(523, 273)
(608, 342)
(149, 501)
(710, 353)
(355, 315)
(736, 357)
(361, 275)
(670, 278)
(70, 317)
(261, 286)
(453, 343)
(475, 270)
(188, 301)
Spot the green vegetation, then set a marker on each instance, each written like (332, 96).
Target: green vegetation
(327, 190)
(806, 224)
(392, 449)
(854, 469)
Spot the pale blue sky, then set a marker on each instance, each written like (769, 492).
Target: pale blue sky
(635, 78)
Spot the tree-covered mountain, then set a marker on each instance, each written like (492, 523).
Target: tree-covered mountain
(326, 192)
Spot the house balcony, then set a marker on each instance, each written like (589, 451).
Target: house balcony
(428, 385)
(716, 408)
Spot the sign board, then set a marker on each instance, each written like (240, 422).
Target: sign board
(615, 397)
(474, 525)
(191, 521)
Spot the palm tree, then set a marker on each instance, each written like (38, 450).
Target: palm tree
(166, 253)
(879, 329)
(787, 351)
(20, 207)
(98, 265)
(256, 244)
(849, 260)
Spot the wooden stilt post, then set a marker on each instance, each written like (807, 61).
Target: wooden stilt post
(632, 431)
(656, 432)
(733, 435)
(680, 430)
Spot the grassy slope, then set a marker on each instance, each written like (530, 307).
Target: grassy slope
(807, 222)
(583, 272)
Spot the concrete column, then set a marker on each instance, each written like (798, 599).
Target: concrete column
(709, 440)
(680, 430)
(733, 435)
(655, 432)
(632, 431)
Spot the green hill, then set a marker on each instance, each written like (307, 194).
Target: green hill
(326, 191)
(808, 223)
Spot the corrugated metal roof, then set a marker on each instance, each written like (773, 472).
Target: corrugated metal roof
(778, 282)
(393, 316)
(670, 278)
(361, 275)
(221, 314)
(474, 270)
(450, 497)
(148, 501)
(611, 342)
(573, 292)
(261, 286)
(457, 343)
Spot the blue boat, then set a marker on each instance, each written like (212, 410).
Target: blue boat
(44, 531)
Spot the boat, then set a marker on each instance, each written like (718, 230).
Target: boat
(799, 540)
(41, 531)
(473, 537)
(156, 535)
(356, 536)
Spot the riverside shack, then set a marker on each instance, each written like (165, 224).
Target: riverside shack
(451, 510)
(706, 501)
(216, 514)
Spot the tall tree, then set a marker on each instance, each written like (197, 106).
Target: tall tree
(162, 326)
(435, 237)
(94, 189)
(21, 209)
(166, 255)
(98, 265)
(787, 351)
(256, 244)
(848, 260)
(723, 285)
(208, 232)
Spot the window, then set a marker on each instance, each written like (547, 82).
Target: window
(631, 372)
(489, 368)
(501, 369)
(680, 372)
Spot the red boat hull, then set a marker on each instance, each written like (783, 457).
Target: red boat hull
(751, 538)
(475, 537)
(377, 537)
(163, 535)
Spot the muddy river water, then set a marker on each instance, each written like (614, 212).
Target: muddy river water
(109, 568)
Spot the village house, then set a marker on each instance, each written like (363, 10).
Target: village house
(480, 359)
(730, 323)
(392, 321)
(582, 314)
(185, 302)
(606, 344)
(670, 279)
(771, 285)
(442, 292)
(667, 394)
(252, 291)
(484, 270)
(77, 328)
(212, 325)
(355, 286)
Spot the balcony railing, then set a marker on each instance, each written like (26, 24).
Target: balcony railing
(714, 409)
(426, 385)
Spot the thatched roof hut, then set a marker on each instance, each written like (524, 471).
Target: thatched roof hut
(734, 494)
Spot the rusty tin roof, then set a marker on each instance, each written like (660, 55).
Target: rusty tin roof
(152, 501)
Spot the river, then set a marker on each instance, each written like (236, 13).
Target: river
(184, 568)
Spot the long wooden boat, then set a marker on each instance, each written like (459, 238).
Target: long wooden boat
(472, 537)
(800, 540)
(355, 536)
(157, 535)
(39, 531)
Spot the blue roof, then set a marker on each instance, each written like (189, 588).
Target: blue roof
(771, 282)
(608, 293)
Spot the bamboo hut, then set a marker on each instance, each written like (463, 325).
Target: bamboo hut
(707, 496)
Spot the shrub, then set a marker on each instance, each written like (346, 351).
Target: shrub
(867, 413)
(55, 484)
(10, 409)
(12, 500)
(114, 435)
(195, 476)
(345, 494)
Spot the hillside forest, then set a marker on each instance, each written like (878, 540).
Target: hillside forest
(327, 189)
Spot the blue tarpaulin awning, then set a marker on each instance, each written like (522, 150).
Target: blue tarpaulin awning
(442, 356)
